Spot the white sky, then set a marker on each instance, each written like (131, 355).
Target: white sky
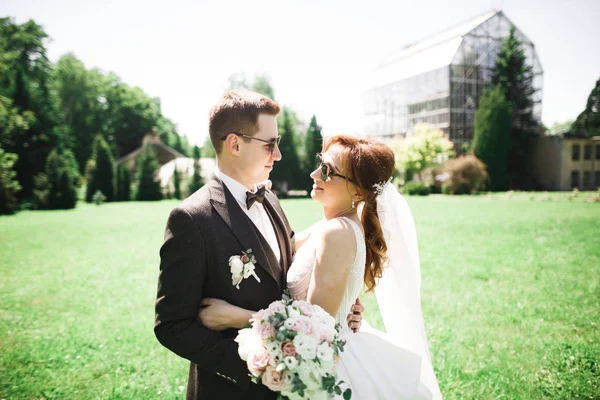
(318, 54)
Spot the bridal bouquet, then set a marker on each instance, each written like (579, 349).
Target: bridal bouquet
(293, 348)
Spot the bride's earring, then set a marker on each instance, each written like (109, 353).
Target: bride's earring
(352, 204)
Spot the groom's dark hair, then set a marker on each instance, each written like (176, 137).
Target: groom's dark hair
(237, 111)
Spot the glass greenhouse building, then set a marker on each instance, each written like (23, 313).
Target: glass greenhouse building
(439, 80)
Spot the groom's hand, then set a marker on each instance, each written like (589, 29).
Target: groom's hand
(355, 319)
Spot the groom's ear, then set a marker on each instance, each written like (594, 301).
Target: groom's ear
(232, 144)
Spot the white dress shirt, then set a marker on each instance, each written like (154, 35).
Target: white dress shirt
(256, 213)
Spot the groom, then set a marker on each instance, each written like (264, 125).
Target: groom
(223, 219)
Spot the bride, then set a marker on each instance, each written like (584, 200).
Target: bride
(344, 253)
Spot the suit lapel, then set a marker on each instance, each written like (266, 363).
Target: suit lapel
(280, 231)
(244, 230)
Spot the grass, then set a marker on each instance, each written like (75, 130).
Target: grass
(511, 298)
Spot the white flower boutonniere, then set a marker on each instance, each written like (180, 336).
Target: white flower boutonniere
(242, 267)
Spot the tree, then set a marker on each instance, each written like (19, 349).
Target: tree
(312, 145)
(263, 86)
(82, 103)
(130, 114)
(492, 136)
(148, 183)
(589, 119)
(237, 81)
(25, 79)
(208, 150)
(515, 79)
(9, 187)
(123, 183)
(287, 174)
(61, 179)
(560, 128)
(12, 124)
(425, 148)
(101, 171)
(196, 182)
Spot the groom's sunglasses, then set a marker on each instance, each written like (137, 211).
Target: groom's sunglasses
(271, 143)
(327, 170)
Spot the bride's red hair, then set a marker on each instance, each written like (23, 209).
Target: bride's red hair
(367, 162)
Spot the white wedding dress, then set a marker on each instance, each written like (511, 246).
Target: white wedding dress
(374, 364)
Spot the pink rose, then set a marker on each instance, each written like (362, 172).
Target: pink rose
(257, 317)
(326, 336)
(266, 331)
(258, 361)
(276, 307)
(288, 348)
(273, 379)
(304, 307)
(304, 325)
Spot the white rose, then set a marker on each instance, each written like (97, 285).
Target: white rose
(323, 316)
(248, 342)
(317, 395)
(293, 312)
(306, 346)
(308, 376)
(236, 264)
(326, 367)
(324, 352)
(248, 270)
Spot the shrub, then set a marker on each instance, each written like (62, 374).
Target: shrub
(98, 198)
(9, 187)
(414, 188)
(467, 175)
(62, 176)
(100, 171)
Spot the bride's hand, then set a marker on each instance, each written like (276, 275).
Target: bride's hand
(355, 319)
(216, 314)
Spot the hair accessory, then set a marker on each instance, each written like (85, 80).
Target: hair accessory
(379, 186)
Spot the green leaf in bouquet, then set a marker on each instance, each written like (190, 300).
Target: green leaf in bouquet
(347, 394)
(327, 382)
(298, 385)
(287, 297)
(278, 319)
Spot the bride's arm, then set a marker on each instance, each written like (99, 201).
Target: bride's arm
(218, 315)
(335, 252)
(302, 237)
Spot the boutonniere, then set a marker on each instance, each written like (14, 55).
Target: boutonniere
(242, 267)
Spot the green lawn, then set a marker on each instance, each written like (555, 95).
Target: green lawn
(511, 298)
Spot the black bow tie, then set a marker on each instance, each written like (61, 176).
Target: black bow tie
(252, 197)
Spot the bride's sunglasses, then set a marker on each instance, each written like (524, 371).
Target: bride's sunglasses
(327, 170)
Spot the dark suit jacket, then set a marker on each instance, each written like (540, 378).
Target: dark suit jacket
(201, 234)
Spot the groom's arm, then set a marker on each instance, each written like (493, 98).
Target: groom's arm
(180, 290)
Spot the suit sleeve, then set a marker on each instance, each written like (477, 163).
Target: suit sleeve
(181, 281)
